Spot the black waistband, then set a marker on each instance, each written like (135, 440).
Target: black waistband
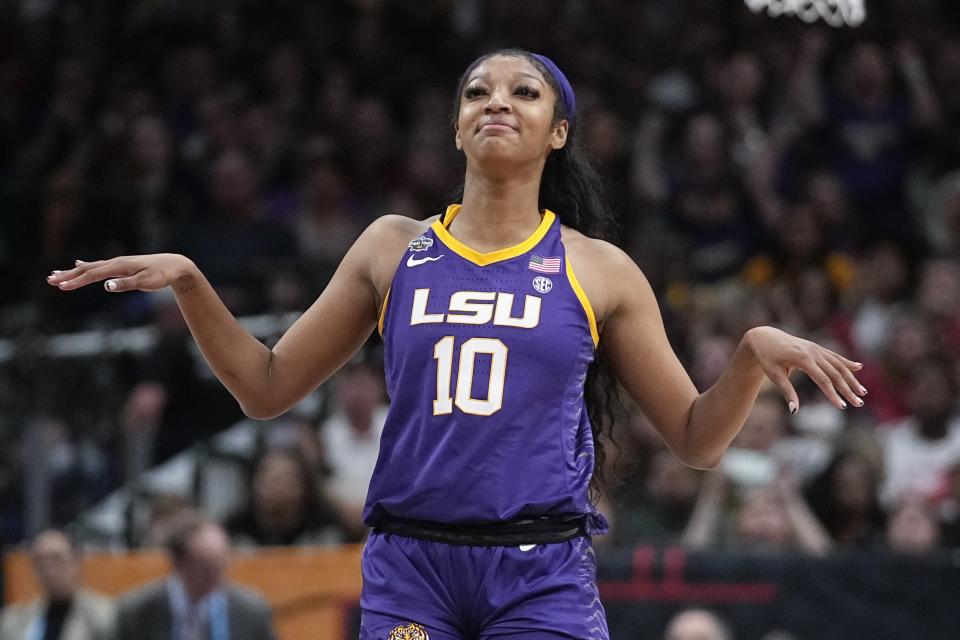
(509, 533)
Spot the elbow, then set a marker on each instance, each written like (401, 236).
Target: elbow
(260, 402)
(259, 410)
(704, 460)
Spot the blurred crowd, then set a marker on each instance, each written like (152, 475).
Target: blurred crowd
(762, 171)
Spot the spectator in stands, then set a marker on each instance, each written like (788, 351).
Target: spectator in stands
(879, 293)
(766, 426)
(66, 610)
(327, 222)
(351, 441)
(871, 130)
(909, 340)
(285, 507)
(64, 226)
(150, 198)
(196, 601)
(237, 245)
(770, 517)
(174, 402)
(658, 509)
(768, 435)
(912, 527)
(706, 201)
(920, 451)
(166, 511)
(846, 499)
(938, 298)
(697, 624)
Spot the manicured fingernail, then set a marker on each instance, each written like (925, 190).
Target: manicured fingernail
(110, 285)
(863, 390)
(792, 406)
(78, 262)
(56, 271)
(858, 402)
(843, 405)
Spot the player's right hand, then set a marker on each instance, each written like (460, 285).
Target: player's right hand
(126, 273)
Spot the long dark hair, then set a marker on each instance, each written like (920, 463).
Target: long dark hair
(572, 189)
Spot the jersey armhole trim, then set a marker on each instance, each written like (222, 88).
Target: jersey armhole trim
(383, 311)
(582, 296)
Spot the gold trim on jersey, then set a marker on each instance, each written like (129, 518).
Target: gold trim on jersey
(483, 259)
(383, 311)
(582, 296)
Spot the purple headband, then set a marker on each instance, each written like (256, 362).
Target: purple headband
(567, 98)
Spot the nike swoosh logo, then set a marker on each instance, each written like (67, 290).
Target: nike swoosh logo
(413, 262)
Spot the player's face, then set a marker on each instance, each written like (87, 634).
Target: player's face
(506, 113)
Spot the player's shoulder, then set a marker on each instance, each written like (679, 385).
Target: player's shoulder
(588, 250)
(395, 225)
(390, 234)
(608, 275)
(384, 242)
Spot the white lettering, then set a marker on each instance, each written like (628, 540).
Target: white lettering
(531, 312)
(419, 314)
(477, 307)
(464, 311)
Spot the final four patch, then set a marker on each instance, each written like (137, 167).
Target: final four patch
(411, 631)
(421, 243)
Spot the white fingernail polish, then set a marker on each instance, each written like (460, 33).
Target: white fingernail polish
(110, 285)
(843, 404)
(792, 406)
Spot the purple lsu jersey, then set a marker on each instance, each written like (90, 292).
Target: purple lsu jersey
(486, 355)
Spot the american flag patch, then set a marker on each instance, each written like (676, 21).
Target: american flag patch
(544, 265)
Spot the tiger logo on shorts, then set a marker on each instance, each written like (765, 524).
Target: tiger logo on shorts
(411, 631)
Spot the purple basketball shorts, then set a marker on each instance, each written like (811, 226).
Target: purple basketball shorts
(422, 590)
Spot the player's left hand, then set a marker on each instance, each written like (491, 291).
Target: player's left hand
(779, 354)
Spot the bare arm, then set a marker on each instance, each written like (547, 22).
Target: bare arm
(701, 530)
(809, 533)
(806, 90)
(926, 107)
(266, 382)
(698, 427)
(649, 180)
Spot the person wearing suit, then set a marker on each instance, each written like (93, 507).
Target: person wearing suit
(66, 611)
(195, 602)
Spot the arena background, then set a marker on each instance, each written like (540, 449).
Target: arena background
(763, 170)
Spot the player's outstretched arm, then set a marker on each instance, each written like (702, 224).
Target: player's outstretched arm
(266, 382)
(698, 427)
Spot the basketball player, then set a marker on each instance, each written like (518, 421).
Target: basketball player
(491, 315)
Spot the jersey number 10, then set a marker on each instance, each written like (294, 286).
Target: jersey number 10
(463, 398)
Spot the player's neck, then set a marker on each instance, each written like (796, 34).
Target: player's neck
(497, 213)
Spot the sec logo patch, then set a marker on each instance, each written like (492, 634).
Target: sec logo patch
(411, 631)
(542, 284)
